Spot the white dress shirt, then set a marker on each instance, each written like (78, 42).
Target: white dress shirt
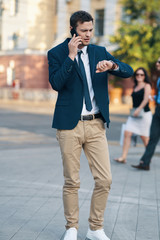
(85, 59)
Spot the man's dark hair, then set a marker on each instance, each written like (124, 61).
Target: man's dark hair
(80, 16)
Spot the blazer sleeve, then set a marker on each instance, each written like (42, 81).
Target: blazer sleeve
(59, 71)
(125, 71)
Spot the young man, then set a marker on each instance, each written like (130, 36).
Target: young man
(154, 132)
(78, 71)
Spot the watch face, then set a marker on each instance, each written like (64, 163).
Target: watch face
(113, 66)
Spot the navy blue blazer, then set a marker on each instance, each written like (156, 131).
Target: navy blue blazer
(66, 79)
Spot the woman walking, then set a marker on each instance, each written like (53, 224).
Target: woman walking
(140, 121)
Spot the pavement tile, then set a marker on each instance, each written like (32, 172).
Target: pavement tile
(147, 225)
(31, 181)
(125, 225)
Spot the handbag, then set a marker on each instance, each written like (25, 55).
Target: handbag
(122, 134)
(141, 114)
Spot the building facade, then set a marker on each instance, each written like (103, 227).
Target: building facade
(28, 29)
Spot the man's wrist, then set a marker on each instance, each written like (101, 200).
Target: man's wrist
(114, 66)
(71, 57)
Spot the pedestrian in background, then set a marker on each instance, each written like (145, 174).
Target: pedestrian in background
(155, 130)
(78, 71)
(136, 124)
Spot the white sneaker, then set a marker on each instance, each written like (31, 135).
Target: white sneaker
(96, 235)
(71, 234)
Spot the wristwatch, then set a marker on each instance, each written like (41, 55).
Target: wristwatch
(114, 66)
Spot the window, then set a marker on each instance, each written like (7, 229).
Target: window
(99, 22)
(13, 7)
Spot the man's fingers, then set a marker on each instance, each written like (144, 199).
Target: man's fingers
(74, 39)
(74, 42)
(103, 66)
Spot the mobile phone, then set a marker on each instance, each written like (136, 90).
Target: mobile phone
(73, 31)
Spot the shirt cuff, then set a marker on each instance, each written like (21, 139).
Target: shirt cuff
(117, 69)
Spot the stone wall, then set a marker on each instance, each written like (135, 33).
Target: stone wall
(30, 70)
(28, 94)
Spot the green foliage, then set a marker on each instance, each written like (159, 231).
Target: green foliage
(138, 38)
(141, 9)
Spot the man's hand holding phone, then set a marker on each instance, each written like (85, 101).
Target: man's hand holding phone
(73, 31)
(75, 41)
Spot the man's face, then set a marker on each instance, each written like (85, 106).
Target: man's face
(85, 30)
(158, 64)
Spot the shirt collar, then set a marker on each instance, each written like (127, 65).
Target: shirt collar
(84, 50)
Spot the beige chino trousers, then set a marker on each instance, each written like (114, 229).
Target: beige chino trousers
(91, 136)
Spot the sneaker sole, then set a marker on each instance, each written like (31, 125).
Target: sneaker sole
(89, 238)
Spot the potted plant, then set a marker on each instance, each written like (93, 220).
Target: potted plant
(115, 90)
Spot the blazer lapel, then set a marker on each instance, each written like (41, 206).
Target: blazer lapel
(91, 55)
(65, 44)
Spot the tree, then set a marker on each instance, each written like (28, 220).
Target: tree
(138, 38)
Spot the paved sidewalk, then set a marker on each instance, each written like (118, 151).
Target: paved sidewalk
(47, 107)
(31, 189)
(31, 193)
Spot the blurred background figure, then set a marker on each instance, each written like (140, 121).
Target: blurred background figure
(155, 130)
(16, 87)
(139, 125)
